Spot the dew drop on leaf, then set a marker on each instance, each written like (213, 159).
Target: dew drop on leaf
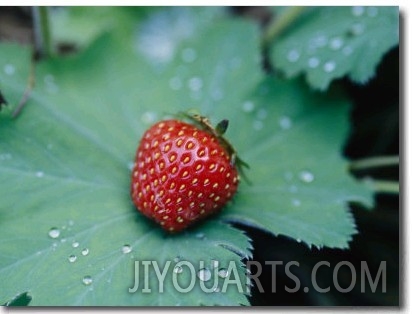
(293, 189)
(85, 252)
(72, 258)
(216, 94)
(288, 176)
(75, 244)
(293, 55)
(6, 156)
(329, 66)
(204, 274)
(87, 280)
(372, 11)
(336, 43)
(188, 55)
(175, 83)
(195, 84)
(9, 69)
(261, 114)
(200, 235)
(248, 106)
(177, 269)
(313, 62)
(223, 273)
(357, 29)
(306, 176)
(257, 125)
(358, 10)
(54, 233)
(149, 117)
(285, 123)
(126, 249)
(347, 50)
(235, 62)
(40, 174)
(319, 41)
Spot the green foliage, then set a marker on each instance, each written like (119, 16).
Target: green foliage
(65, 162)
(330, 42)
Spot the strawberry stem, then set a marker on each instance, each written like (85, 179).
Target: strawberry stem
(218, 131)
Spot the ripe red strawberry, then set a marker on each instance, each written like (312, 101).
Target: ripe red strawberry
(183, 173)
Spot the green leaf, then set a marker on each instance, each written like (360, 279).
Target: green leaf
(330, 42)
(300, 183)
(65, 163)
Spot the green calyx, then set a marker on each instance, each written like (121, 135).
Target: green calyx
(218, 131)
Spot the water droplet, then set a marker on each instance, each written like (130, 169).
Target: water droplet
(357, 29)
(72, 258)
(217, 94)
(48, 78)
(358, 10)
(126, 249)
(40, 174)
(248, 106)
(177, 269)
(293, 55)
(313, 62)
(215, 263)
(235, 62)
(200, 235)
(51, 85)
(177, 259)
(188, 55)
(261, 114)
(204, 274)
(223, 273)
(195, 84)
(347, 50)
(298, 240)
(75, 244)
(149, 117)
(87, 280)
(293, 189)
(372, 11)
(54, 233)
(336, 43)
(319, 41)
(175, 83)
(6, 156)
(9, 69)
(257, 125)
(285, 123)
(288, 176)
(329, 66)
(296, 202)
(85, 252)
(306, 176)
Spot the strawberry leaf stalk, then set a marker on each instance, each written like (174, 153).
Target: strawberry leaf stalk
(184, 172)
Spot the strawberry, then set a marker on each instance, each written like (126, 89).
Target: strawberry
(183, 172)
